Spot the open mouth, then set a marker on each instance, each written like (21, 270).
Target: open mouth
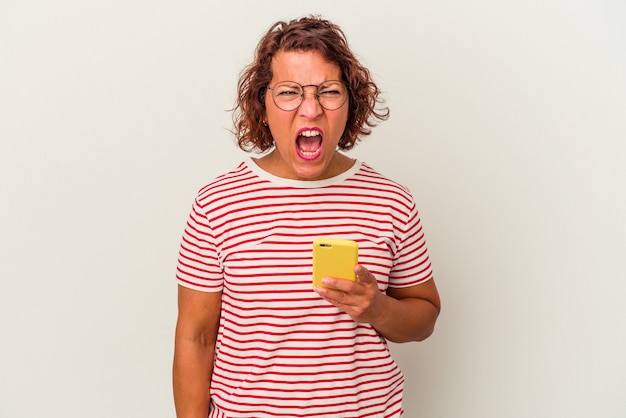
(309, 143)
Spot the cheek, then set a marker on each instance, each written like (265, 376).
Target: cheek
(271, 112)
(340, 123)
(278, 126)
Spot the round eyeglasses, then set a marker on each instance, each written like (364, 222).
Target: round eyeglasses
(288, 95)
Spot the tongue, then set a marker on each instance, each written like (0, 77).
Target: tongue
(309, 144)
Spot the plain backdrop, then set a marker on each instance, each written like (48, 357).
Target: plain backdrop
(508, 123)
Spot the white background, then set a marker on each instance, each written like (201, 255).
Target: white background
(508, 124)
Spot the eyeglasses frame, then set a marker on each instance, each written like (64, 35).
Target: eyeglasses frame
(317, 96)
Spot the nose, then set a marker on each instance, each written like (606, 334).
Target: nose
(310, 106)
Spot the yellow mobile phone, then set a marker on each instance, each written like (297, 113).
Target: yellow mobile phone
(334, 258)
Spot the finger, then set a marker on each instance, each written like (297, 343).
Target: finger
(339, 284)
(335, 296)
(363, 275)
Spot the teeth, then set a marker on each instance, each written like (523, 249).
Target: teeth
(309, 154)
(310, 133)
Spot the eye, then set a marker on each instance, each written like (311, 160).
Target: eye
(330, 93)
(287, 90)
(332, 90)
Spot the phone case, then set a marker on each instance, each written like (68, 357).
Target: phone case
(334, 258)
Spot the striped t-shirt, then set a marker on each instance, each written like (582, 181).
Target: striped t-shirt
(281, 350)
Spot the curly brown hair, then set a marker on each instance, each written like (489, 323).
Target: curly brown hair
(310, 33)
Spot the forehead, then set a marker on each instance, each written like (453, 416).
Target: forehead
(304, 67)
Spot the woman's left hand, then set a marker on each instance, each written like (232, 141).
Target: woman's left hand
(361, 299)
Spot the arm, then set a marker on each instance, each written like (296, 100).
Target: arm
(196, 332)
(410, 314)
(401, 315)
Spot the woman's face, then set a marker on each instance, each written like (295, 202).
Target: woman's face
(306, 138)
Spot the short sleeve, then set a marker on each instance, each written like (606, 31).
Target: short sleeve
(198, 262)
(412, 264)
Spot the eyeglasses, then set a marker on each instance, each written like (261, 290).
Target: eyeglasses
(288, 95)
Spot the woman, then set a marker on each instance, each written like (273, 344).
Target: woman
(253, 338)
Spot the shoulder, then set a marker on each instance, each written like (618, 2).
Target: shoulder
(368, 173)
(373, 180)
(230, 182)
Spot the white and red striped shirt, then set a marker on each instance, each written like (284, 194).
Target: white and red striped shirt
(281, 350)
